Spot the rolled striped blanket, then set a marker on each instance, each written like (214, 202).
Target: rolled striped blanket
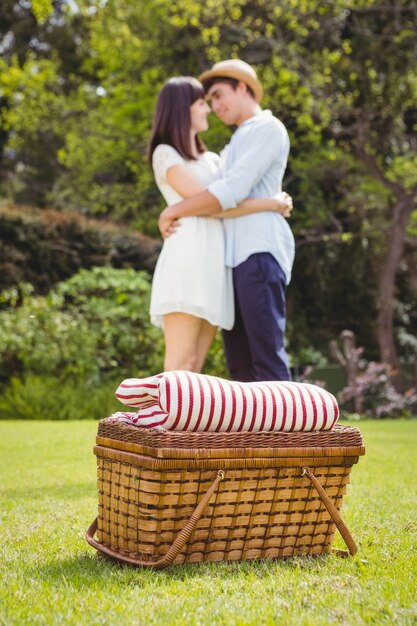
(185, 401)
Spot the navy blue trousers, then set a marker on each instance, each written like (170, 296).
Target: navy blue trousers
(254, 347)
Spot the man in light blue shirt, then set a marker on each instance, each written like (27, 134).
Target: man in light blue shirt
(260, 246)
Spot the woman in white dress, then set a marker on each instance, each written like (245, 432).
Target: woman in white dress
(192, 291)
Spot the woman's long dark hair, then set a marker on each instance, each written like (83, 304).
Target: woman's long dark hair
(172, 119)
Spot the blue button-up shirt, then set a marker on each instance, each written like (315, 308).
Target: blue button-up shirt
(253, 166)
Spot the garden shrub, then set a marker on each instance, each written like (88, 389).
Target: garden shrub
(40, 398)
(63, 355)
(46, 247)
(374, 394)
(91, 327)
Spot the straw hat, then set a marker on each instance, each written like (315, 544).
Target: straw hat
(234, 68)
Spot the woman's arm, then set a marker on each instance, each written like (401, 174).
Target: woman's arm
(183, 181)
(187, 185)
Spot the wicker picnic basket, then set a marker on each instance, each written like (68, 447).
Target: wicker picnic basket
(170, 497)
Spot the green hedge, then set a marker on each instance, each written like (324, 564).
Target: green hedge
(90, 327)
(45, 247)
(48, 398)
(62, 355)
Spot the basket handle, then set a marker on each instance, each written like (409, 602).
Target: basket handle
(334, 514)
(180, 540)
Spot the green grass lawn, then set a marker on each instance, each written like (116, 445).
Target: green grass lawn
(51, 576)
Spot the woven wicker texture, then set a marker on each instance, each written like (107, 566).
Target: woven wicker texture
(263, 505)
(346, 436)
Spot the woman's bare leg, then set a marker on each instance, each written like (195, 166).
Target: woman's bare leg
(187, 341)
(205, 339)
(181, 338)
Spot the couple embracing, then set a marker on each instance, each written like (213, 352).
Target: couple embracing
(228, 249)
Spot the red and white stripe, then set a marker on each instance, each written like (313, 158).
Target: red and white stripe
(139, 392)
(186, 401)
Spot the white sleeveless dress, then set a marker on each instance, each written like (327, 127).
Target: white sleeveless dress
(191, 275)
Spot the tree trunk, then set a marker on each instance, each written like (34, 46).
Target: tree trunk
(385, 323)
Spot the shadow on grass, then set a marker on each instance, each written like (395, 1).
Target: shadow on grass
(89, 569)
